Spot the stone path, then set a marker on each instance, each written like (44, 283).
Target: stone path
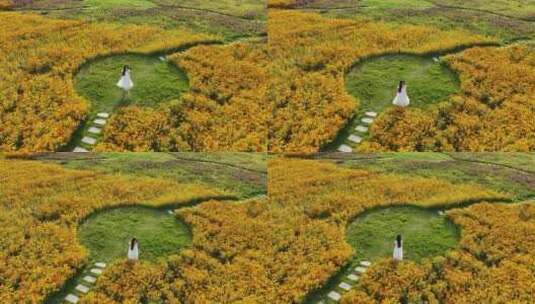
(358, 133)
(345, 284)
(89, 280)
(91, 136)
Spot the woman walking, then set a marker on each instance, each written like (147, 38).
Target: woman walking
(402, 99)
(125, 83)
(133, 250)
(398, 248)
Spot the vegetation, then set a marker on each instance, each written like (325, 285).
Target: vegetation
(274, 250)
(315, 200)
(228, 18)
(106, 234)
(469, 121)
(54, 201)
(311, 55)
(240, 174)
(225, 109)
(154, 82)
(491, 265)
(374, 82)
(502, 172)
(41, 112)
(508, 20)
(425, 234)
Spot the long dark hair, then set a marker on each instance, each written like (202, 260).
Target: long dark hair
(133, 243)
(401, 84)
(398, 241)
(125, 68)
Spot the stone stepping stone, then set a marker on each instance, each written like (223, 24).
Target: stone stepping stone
(90, 279)
(79, 150)
(345, 149)
(435, 59)
(345, 286)
(353, 277)
(100, 264)
(441, 213)
(95, 130)
(371, 114)
(162, 58)
(103, 115)
(361, 129)
(89, 140)
(355, 138)
(365, 263)
(82, 288)
(367, 120)
(100, 121)
(170, 212)
(333, 295)
(96, 271)
(72, 298)
(360, 269)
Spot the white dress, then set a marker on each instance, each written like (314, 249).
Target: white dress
(133, 254)
(402, 99)
(398, 251)
(125, 82)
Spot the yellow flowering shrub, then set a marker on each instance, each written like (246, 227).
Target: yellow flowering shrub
(494, 111)
(40, 208)
(39, 108)
(310, 57)
(225, 109)
(494, 263)
(315, 200)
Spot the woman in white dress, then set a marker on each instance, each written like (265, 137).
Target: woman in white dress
(133, 250)
(398, 248)
(125, 83)
(402, 99)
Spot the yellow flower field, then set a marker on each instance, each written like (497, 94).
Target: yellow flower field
(311, 55)
(40, 208)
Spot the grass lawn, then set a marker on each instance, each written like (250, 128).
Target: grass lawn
(106, 234)
(155, 81)
(374, 82)
(425, 233)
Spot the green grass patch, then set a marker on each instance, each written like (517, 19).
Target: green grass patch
(374, 82)
(155, 81)
(425, 233)
(106, 234)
